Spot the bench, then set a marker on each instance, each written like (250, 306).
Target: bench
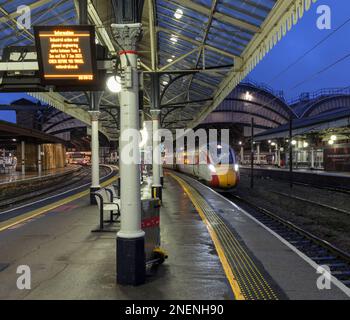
(107, 200)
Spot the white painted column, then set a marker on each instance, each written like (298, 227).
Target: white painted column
(258, 153)
(23, 156)
(129, 170)
(156, 149)
(242, 154)
(312, 158)
(95, 148)
(39, 160)
(278, 155)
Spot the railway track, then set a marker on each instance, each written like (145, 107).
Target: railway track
(77, 179)
(320, 251)
(314, 203)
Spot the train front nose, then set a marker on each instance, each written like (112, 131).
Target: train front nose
(225, 178)
(228, 180)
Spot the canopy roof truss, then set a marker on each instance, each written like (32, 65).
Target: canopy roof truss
(220, 41)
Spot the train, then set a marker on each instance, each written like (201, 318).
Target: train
(81, 158)
(220, 172)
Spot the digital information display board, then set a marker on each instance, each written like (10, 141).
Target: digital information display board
(67, 55)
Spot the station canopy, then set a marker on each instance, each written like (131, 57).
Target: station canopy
(203, 49)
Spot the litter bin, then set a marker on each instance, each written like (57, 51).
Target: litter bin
(150, 224)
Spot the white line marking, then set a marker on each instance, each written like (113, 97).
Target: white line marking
(312, 263)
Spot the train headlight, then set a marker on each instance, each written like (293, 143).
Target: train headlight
(212, 168)
(236, 167)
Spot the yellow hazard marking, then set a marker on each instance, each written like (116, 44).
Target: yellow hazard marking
(30, 215)
(229, 275)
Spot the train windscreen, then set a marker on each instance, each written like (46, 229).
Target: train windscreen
(224, 155)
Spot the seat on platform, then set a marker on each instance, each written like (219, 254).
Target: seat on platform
(113, 194)
(106, 202)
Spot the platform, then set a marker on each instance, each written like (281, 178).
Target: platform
(305, 176)
(70, 262)
(16, 176)
(216, 251)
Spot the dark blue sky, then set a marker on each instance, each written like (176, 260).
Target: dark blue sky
(300, 39)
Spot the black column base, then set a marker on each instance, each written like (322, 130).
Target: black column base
(157, 192)
(162, 181)
(131, 261)
(92, 197)
(119, 187)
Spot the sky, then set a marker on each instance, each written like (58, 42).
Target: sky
(304, 36)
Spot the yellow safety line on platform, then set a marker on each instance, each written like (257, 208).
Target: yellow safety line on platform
(221, 253)
(30, 215)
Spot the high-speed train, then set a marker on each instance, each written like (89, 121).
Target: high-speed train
(220, 171)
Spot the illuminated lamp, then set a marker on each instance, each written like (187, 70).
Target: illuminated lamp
(178, 14)
(114, 84)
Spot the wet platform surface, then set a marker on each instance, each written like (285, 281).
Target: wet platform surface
(289, 273)
(212, 244)
(69, 262)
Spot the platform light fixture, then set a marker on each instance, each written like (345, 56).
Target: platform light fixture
(334, 137)
(173, 39)
(240, 143)
(178, 14)
(305, 144)
(273, 143)
(170, 60)
(294, 142)
(248, 96)
(331, 142)
(114, 84)
(165, 83)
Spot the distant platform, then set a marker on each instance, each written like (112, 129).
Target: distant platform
(17, 176)
(16, 186)
(307, 176)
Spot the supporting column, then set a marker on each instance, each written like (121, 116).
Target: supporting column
(95, 156)
(242, 154)
(291, 151)
(156, 159)
(258, 153)
(156, 162)
(131, 264)
(252, 154)
(312, 158)
(23, 156)
(39, 160)
(278, 149)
